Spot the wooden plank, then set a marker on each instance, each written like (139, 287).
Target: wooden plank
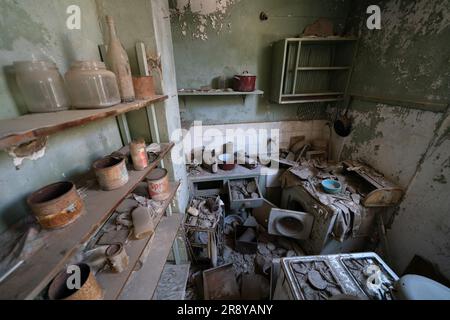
(143, 283)
(113, 283)
(34, 275)
(28, 127)
(172, 285)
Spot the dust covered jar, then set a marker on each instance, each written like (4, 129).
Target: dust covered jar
(42, 86)
(91, 86)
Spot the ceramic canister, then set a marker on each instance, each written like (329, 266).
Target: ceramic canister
(158, 184)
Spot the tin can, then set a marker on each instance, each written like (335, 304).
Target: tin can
(139, 154)
(158, 184)
(117, 257)
(89, 289)
(111, 172)
(56, 205)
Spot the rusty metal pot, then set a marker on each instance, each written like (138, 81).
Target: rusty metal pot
(144, 87)
(89, 289)
(158, 184)
(56, 205)
(111, 172)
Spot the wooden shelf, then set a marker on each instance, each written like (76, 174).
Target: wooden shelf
(173, 282)
(243, 95)
(219, 93)
(31, 126)
(61, 245)
(312, 94)
(312, 97)
(113, 283)
(143, 283)
(323, 68)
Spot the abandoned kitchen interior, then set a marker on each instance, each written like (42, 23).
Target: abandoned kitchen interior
(225, 150)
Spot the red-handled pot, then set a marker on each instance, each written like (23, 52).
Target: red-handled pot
(244, 82)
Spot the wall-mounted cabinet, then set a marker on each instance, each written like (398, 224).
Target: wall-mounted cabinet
(311, 69)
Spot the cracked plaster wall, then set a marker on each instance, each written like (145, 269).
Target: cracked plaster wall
(408, 59)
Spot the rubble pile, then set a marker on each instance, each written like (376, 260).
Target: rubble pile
(205, 213)
(244, 189)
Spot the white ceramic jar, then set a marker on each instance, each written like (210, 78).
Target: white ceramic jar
(91, 86)
(42, 86)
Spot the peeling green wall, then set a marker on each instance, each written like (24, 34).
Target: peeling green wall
(37, 29)
(408, 59)
(243, 43)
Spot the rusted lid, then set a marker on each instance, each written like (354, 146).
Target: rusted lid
(157, 174)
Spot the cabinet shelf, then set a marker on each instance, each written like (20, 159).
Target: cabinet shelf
(312, 69)
(323, 68)
(61, 245)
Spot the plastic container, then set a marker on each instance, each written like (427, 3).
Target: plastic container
(91, 86)
(331, 186)
(42, 86)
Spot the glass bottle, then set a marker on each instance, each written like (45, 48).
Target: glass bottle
(118, 62)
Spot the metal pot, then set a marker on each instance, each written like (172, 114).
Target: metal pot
(111, 172)
(57, 205)
(89, 289)
(244, 82)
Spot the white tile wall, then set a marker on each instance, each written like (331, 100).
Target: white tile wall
(214, 136)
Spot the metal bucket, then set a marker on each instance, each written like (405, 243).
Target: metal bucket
(89, 287)
(158, 184)
(56, 205)
(111, 173)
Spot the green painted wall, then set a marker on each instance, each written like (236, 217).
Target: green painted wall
(409, 59)
(244, 43)
(37, 29)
